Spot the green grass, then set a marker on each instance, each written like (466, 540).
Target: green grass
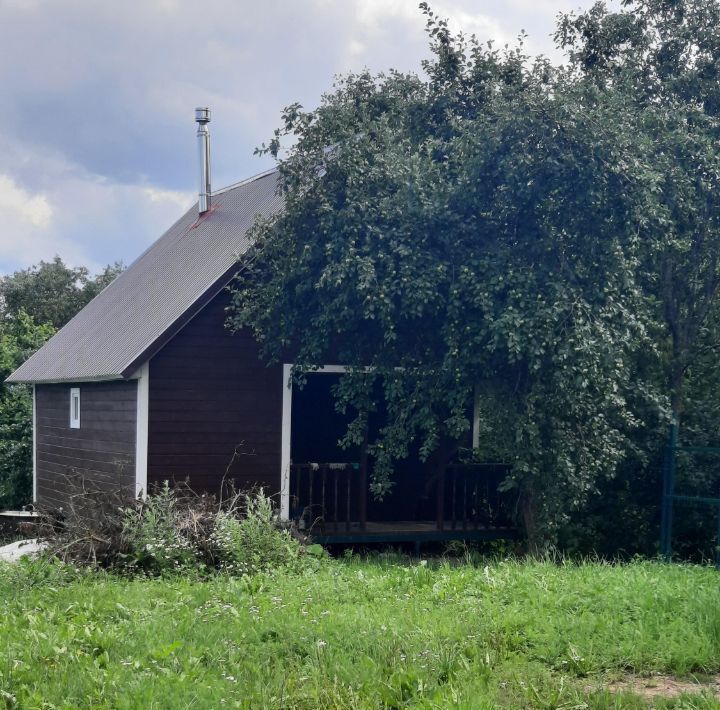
(358, 633)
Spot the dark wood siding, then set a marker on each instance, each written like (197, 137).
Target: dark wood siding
(210, 395)
(102, 450)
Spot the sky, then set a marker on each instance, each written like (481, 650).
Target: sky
(97, 133)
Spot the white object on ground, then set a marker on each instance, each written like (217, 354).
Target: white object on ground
(15, 550)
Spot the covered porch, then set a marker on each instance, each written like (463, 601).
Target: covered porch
(331, 503)
(325, 488)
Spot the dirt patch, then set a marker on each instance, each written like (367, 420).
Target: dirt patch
(661, 686)
(22, 548)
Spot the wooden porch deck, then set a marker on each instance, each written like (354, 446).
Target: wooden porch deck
(329, 502)
(407, 531)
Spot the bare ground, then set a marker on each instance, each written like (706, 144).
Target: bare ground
(661, 686)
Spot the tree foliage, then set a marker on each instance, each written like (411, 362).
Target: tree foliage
(34, 303)
(500, 224)
(52, 292)
(19, 338)
(665, 57)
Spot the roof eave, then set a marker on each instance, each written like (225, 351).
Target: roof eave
(11, 380)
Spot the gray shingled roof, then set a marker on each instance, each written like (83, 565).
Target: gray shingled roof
(154, 295)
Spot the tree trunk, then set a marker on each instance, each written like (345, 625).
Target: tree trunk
(678, 365)
(528, 509)
(677, 381)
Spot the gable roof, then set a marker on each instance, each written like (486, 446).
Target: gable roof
(131, 319)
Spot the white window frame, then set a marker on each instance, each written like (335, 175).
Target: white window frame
(74, 411)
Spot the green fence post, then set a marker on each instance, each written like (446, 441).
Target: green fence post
(717, 543)
(668, 492)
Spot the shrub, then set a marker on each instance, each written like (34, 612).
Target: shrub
(173, 529)
(254, 541)
(161, 531)
(88, 528)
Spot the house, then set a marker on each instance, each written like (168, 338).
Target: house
(147, 384)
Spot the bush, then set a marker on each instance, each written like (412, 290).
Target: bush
(254, 542)
(173, 529)
(19, 338)
(163, 531)
(88, 528)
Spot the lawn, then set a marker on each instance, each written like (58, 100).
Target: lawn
(365, 633)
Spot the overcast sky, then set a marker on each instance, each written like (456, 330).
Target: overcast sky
(97, 139)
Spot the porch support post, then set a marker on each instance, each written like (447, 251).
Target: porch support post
(34, 445)
(142, 420)
(363, 481)
(441, 494)
(285, 443)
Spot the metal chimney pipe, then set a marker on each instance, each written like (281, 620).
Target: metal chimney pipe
(202, 116)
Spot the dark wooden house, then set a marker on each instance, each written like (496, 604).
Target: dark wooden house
(146, 384)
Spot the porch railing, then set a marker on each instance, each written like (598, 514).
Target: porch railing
(326, 496)
(331, 498)
(469, 499)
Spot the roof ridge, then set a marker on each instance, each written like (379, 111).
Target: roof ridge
(246, 181)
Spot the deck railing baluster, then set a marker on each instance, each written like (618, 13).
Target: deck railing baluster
(323, 512)
(336, 476)
(440, 495)
(476, 501)
(298, 476)
(348, 471)
(454, 495)
(311, 471)
(465, 477)
(487, 498)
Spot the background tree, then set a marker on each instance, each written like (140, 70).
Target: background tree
(19, 338)
(34, 303)
(665, 56)
(52, 292)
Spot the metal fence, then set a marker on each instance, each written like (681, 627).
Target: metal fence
(672, 497)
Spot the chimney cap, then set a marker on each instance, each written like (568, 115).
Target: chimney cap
(202, 114)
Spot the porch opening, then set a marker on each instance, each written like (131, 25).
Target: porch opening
(329, 492)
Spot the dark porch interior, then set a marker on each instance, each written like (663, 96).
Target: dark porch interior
(440, 499)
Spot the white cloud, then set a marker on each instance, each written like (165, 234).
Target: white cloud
(372, 13)
(481, 25)
(28, 232)
(84, 218)
(356, 48)
(97, 144)
(18, 204)
(182, 200)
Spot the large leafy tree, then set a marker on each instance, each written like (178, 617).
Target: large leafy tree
(473, 228)
(665, 56)
(52, 292)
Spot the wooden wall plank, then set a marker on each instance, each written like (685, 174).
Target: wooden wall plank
(102, 450)
(211, 394)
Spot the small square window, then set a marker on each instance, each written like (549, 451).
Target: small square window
(74, 407)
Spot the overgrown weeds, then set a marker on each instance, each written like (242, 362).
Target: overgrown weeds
(172, 529)
(254, 541)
